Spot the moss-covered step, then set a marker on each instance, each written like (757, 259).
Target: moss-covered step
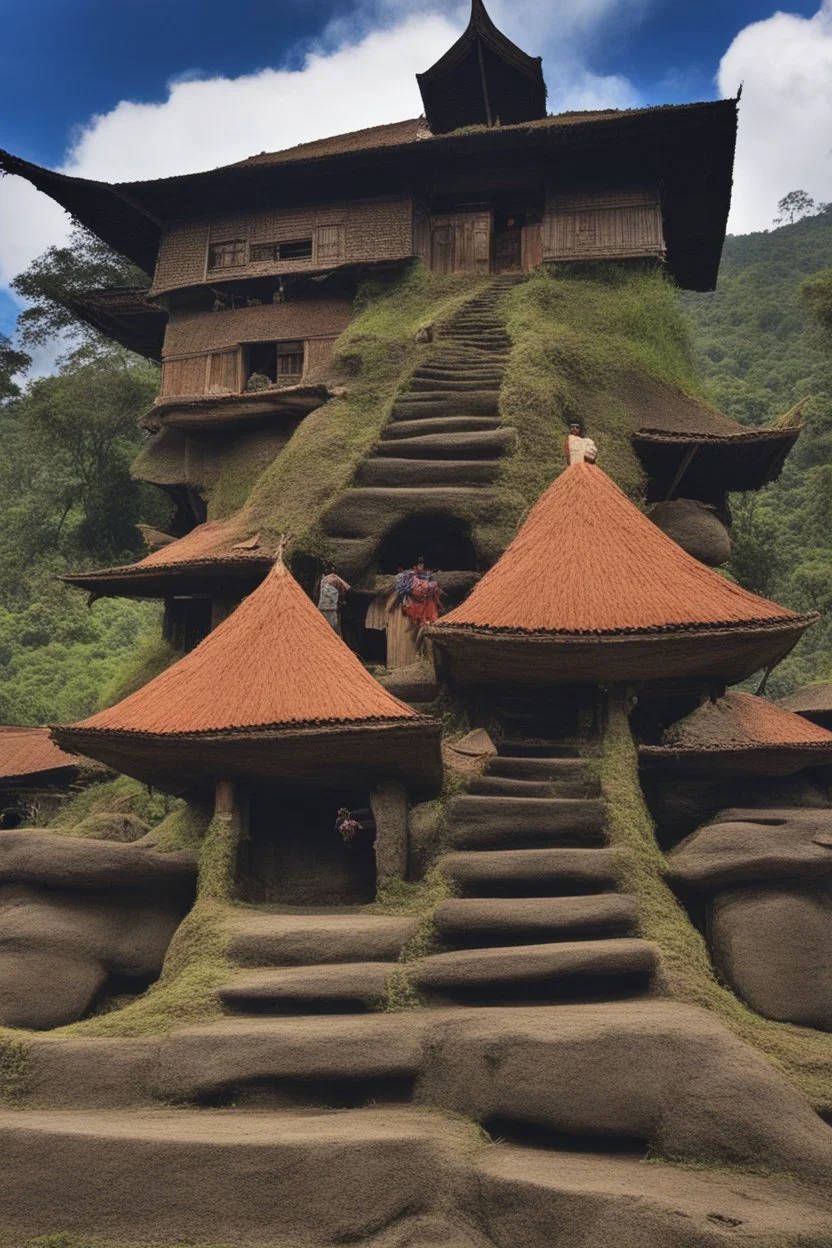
(442, 425)
(264, 938)
(475, 821)
(277, 1179)
(371, 512)
(434, 403)
(557, 770)
(530, 872)
(463, 444)
(509, 786)
(517, 920)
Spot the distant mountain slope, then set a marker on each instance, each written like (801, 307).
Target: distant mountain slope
(758, 356)
(749, 335)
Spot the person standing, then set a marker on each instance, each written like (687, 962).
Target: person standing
(330, 596)
(578, 449)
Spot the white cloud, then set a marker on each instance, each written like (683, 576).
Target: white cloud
(785, 130)
(360, 73)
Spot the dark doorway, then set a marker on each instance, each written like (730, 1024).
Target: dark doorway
(294, 856)
(443, 541)
(508, 242)
(186, 622)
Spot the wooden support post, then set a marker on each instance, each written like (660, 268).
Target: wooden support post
(218, 860)
(681, 470)
(388, 802)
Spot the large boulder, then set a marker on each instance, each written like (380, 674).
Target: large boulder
(695, 527)
(774, 946)
(753, 846)
(76, 914)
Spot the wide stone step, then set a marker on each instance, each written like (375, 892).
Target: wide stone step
(413, 472)
(530, 872)
(442, 371)
(538, 768)
(442, 424)
(475, 821)
(260, 938)
(196, 1176)
(337, 985)
(370, 511)
(507, 786)
(437, 403)
(517, 968)
(538, 747)
(498, 920)
(523, 1192)
(448, 385)
(490, 444)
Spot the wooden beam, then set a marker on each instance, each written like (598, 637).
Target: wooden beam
(681, 470)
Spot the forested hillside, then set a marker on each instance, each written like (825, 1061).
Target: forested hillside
(760, 353)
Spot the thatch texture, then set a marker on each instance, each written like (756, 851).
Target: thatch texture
(271, 677)
(122, 313)
(813, 702)
(740, 733)
(588, 572)
(29, 754)
(211, 554)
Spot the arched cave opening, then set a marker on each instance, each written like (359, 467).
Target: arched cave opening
(443, 540)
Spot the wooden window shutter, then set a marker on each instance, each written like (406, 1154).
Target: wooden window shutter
(329, 244)
(185, 376)
(222, 372)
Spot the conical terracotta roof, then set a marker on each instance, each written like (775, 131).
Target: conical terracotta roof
(274, 666)
(740, 732)
(587, 564)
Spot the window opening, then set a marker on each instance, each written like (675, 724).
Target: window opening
(276, 361)
(271, 253)
(227, 255)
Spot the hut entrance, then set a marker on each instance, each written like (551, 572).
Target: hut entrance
(508, 242)
(295, 856)
(442, 540)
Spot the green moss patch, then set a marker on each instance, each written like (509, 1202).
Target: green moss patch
(123, 796)
(149, 659)
(576, 333)
(14, 1067)
(687, 975)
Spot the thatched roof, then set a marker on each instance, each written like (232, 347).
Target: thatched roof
(122, 314)
(28, 755)
(482, 79)
(271, 694)
(740, 733)
(813, 702)
(675, 431)
(215, 555)
(591, 590)
(687, 149)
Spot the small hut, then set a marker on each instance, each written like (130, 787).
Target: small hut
(813, 702)
(742, 735)
(34, 774)
(272, 694)
(590, 591)
(275, 716)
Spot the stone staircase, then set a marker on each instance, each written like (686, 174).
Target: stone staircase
(537, 916)
(444, 441)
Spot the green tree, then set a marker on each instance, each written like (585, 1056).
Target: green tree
(793, 206)
(12, 362)
(83, 264)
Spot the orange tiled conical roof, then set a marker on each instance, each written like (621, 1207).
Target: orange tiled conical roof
(28, 753)
(588, 561)
(273, 664)
(588, 564)
(741, 731)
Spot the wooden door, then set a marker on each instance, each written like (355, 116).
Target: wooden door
(472, 237)
(441, 245)
(508, 249)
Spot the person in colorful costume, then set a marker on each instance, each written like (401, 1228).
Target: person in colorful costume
(330, 594)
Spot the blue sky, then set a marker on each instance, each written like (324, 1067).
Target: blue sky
(147, 88)
(62, 62)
